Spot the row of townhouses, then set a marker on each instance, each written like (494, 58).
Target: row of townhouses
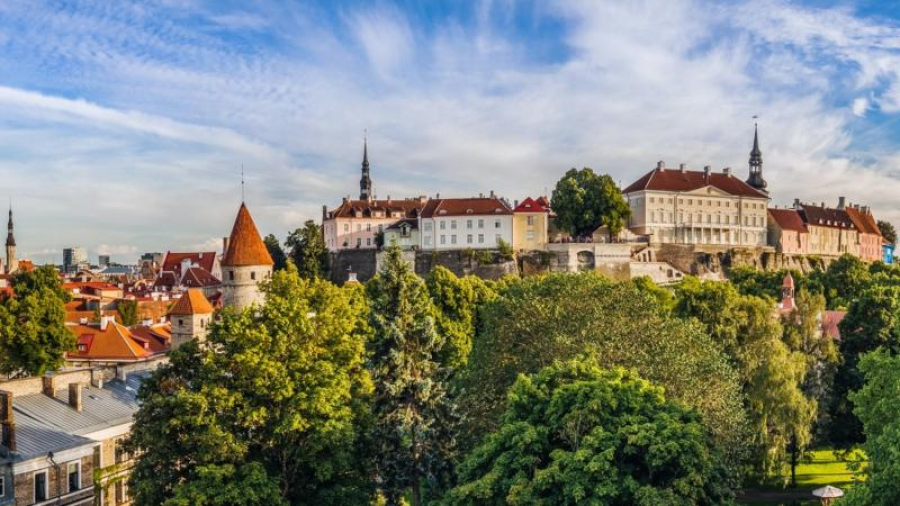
(706, 208)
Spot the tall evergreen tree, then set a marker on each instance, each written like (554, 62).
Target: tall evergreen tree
(307, 250)
(276, 252)
(414, 417)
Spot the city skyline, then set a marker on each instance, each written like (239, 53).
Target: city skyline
(124, 129)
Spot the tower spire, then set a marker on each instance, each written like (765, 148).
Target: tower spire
(10, 238)
(365, 182)
(756, 178)
(12, 263)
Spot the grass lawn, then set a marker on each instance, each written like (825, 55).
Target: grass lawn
(822, 468)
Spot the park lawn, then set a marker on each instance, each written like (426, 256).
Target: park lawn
(825, 468)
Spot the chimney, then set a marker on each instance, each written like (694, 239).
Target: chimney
(104, 322)
(842, 202)
(7, 421)
(49, 385)
(706, 170)
(224, 245)
(726, 171)
(121, 374)
(660, 165)
(515, 203)
(83, 320)
(492, 193)
(75, 396)
(796, 203)
(681, 167)
(147, 322)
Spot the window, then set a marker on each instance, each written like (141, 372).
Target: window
(74, 476)
(453, 225)
(453, 239)
(359, 227)
(530, 235)
(368, 241)
(469, 224)
(443, 239)
(469, 239)
(428, 226)
(480, 238)
(428, 241)
(380, 228)
(40, 486)
(253, 274)
(2, 486)
(121, 491)
(358, 242)
(346, 227)
(480, 223)
(529, 220)
(231, 275)
(496, 223)
(368, 227)
(651, 200)
(180, 321)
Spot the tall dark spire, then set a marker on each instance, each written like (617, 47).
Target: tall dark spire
(365, 182)
(756, 178)
(10, 239)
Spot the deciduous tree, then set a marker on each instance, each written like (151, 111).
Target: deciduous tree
(276, 252)
(276, 400)
(576, 434)
(584, 201)
(887, 231)
(307, 250)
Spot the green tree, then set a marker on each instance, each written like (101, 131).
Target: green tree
(844, 280)
(533, 322)
(276, 252)
(128, 311)
(307, 250)
(772, 375)
(872, 321)
(414, 417)
(456, 302)
(876, 406)
(33, 333)
(887, 231)
(584, 201)
(277, 399)
(576, 434)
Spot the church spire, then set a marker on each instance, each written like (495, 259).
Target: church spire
(365, 182)
(10, 239)
(756, 178)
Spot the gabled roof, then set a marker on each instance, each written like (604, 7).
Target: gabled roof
(529, 205)
(191, 303)
(825, 216)
(436, 208)
(159, 336)
(411, 222)
(408, 208)
(863, 221)
(198, 277)
(788, 219)
(677, 180)
(115, 342)
(204, 259)
(245, 246)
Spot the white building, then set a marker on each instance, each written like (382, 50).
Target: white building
(467, 223)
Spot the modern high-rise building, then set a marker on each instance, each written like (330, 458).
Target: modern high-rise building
(73, 258)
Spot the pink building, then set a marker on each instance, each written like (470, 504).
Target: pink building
(870, 239)
(788, 232)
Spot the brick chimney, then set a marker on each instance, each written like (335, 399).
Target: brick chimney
(660, 165)
(842, 203)
(224, 245)
(49, 385)
(7, 421)
(75, 396)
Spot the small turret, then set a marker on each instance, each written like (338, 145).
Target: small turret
(245, 263)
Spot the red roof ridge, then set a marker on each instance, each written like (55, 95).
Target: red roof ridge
(245, 246)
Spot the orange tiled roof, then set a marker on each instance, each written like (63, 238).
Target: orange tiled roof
(115, 342)
(863, 221)
(191, 303)
(245, 246)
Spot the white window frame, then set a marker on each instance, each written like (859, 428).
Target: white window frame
(34, 476)
(77, 464)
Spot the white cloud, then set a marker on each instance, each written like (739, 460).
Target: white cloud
(860, 106)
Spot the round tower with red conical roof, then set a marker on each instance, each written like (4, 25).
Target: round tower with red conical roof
(245, 264)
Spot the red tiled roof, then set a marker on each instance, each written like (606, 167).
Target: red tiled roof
(26, 265)
(463, 207)
(863, 221)
(409, 208)
(113, 343)
(204, 259)
(191, 303)
(830, 321)
(245, 246)
(91, 285)
(689, 180)
(159, 337)
(788, 219)
(529, 205)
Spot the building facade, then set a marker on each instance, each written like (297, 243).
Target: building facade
(531, 222)
(468, 223)
(245, 264)
(190, 317)
(787, 232)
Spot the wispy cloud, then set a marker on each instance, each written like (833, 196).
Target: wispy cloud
(134, 120)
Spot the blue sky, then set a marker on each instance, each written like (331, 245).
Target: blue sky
(124, 125)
